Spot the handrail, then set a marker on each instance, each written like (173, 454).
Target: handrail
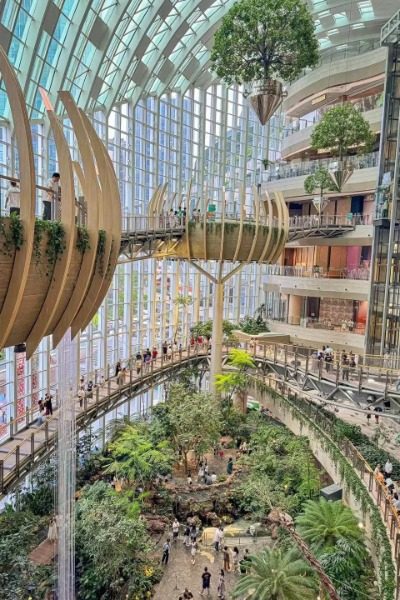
(355, 272)
(319, 221)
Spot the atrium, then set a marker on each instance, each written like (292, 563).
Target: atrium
(199, 299)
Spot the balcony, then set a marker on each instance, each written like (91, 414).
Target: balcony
(316, 282)
(318, 333)
(289, 178)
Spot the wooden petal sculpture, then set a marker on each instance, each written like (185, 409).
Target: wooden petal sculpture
(42, 295)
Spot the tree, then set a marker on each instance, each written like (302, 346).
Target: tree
(237, 381)
(322, 524)
(264, 39)
(341, 130)
(277, 575)
(204, 329)
(180, 301)
(133, 454)
(194, 420)
(112, 548)
(253, 326)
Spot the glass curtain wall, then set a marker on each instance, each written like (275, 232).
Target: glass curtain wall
(208, 137)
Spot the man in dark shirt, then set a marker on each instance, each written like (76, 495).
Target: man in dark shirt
(206, 577)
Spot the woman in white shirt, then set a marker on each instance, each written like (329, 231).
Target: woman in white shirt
(13, 198)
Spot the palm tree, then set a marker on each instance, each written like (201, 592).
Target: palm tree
(323, 523)
(277, 575)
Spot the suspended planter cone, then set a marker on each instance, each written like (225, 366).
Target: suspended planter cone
(340, 173)
(265, 98)
(320, 203)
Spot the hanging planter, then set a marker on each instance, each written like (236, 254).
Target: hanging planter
(262, 43)
(320, 203)
(265, 98)
(342, 130)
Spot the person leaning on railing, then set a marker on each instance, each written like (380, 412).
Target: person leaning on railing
(13, 198)
(51, 205)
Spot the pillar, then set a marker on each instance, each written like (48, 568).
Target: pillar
(217, 334)
(294, 309)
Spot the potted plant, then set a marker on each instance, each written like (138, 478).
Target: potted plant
(320, 181)
(262, 43)
(342, 130)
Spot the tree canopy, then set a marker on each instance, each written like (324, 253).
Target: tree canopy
(342, 129)
(321, 181)
(263, 39)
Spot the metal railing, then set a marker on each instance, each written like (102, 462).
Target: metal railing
(358, 273)
(300, 222)
(285, 171)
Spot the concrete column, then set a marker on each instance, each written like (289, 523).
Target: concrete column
(217, 334)
(294, 309)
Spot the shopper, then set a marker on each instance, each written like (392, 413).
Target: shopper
(166, 551)
(193, 551)
(221, 585)
(227, 559)
(53, 198)
(218, 538)
(13, 198)
(175, 530)
(206, 580)
(229, 466)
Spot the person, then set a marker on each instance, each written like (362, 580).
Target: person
(345, 368)
(169, 352)
(235, 559)
(218, 538)
(138, 363)
(164, 349)
(154, 354)
(193, 551)
(102, 381)
(206, 579)
(90, 389)
(166, 549)
(81, 395)
(213, 477)
(147, 360)
(189, 478)
(390, 485)
(117, 368)
(48, 405)
(208, 480)
(377, 410)
(205, 467)
(388, 468)
(227, 559)
(193, 532)
(368, 415)
(380, 477)
(186, 536)
(53, 197)
(200, 474)
(221, 585)
(377, 469)
(396, 501)
(41, 412)
(244, 564)
(175, 530)
(187, 595)
(13, 198)
(229, 466)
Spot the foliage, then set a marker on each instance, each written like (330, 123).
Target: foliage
(321, 181)
(39, 498)
(55, 244)
(323, 523)
(101, 248)
(282, 471)
(133, 455)
(345, 565)
(253, 326)
(112, 546)
(342, 129)
(204, 329)
(182, 300)
(236, 382)
(190, 419)
(82, 239)
(19, 577)
(11, 233)
(263, 39)
(277, 575)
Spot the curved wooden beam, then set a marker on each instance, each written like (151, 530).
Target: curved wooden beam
(105, 223)
(239, 240)
(277, 214)
(115, 206)
(19, 275)
(268, 212)
(62, 265)
(91, 193)
(283, 223)
(256, 201)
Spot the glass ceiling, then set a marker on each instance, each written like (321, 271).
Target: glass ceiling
(105, 51)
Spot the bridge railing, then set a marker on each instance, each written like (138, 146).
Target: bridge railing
(359, 273)
(328, 221)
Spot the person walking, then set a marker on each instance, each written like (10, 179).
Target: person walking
(13, 198)
(227, 559)
(235, 560)
(193, 551)
(175, 530)
(138, 363)
(164, 350)
(221, 585)
(369, 415)
(388, 468)
(206, 580)
(186, 536)
(48, 404)
(166, 551)
(218, 538)
(117, 368)
(229, 466)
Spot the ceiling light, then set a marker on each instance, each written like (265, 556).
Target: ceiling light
(358, 26)
(333, 31)
(324, 13)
